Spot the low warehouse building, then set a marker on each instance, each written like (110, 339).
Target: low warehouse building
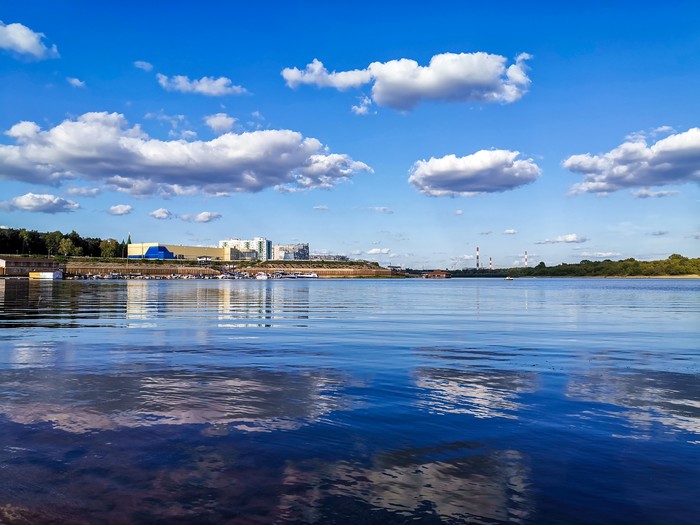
(21, 266)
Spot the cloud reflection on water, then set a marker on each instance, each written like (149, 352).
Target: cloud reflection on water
(455, 481)
(244, 399)
(671, 399)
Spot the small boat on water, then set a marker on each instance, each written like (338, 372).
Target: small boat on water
(310, 275)
(509, 278)
(261, 276)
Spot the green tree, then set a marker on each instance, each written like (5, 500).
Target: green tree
(67, 247)
(109, 248)
(53, 241)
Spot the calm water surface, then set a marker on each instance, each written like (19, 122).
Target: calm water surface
(553, 401)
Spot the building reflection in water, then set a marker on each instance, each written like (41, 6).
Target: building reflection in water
(467, 483)
(235, 304)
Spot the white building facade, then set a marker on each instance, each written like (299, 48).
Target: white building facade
(290, 252)
(260, 245)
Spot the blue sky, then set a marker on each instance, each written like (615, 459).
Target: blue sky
(405, 135)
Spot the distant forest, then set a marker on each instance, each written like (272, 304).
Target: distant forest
(31, 242)
(56, 244)
(674, 265)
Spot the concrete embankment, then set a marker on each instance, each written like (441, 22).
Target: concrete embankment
(79, 269)
(327, 273)
(82, 268)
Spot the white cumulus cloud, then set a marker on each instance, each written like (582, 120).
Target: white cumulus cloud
(220, 122)
(362, 108)
(510, 231)
(121, 209)
(316, 74)
(75, 82)
(600, 255)
(44, 203)
(205, 216)
(486, 171)
(381, 209)
(161, 213)
(141, 64)
(646, 193)
(321, 207)
(101, 147)
(84, 192)
(635, 164)
(22, 41)
(210, 86)
(403, 84)
(378, 251)
(568, 238)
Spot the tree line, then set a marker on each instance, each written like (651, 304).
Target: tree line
(23, 242)
(674, 265)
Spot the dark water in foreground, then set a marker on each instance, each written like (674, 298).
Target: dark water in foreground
(364, 401)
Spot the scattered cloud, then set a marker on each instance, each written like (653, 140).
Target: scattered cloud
(466, 257)
(185, 134)
(489, 232)
(175, 121)
(75, 82)
(646, 193)
(220, 122)
(695, 236)
(658, 233)
(101, 147)
(321, 207)
(403, 84)
(146, 66)
(84, 192)
(381, 209)
(568, 238)
(205, 216)
(510, 231)
(209, 86)
(19, 40)
(486, 171)
(459, 212)
(362, 108)
(378, 251)
(634, 164)
(161, 213)
(121, 209)
(663, 130)
(44, 203)
(317, 75)
(600, 255)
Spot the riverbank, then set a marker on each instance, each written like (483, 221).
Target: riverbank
(160, 269)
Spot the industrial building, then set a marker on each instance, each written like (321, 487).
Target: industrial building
(154, 250)
(257, 249)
